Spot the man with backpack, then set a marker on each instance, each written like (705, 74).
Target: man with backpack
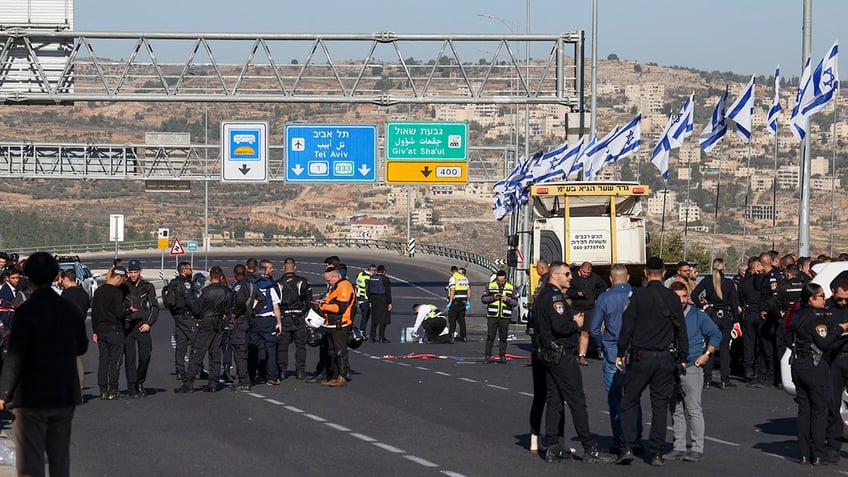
(266, 325)
(296, 297)
(247, 301)
(184, 323)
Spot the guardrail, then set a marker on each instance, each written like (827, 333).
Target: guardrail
(306, 242)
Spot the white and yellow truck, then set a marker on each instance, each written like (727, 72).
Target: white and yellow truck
(598, 222)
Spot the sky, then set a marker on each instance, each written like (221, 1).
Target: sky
(742, 36)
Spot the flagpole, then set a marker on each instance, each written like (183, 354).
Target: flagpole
(747, 192)
(715, 217)
(804, 193)
(833, 173)
(662, 222)
(774, 197)
(688, 189)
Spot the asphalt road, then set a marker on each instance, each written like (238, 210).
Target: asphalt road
(404, 416)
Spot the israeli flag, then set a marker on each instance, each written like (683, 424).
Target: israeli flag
(580, 162)
(742, 110)
(563, 158)
(596, 156)
(825, 82)
(626, 141)
(717, 127)
(775, 109)
(660, 155)
(683, 125)
(799, 123)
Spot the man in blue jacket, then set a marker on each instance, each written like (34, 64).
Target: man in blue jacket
(686, 410)
(609, 309)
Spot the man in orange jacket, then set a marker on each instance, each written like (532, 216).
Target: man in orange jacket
(336, 308)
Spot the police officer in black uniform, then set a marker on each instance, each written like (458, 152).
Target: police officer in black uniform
(247, 300)
(813, 333)
(653, 331)
(751, 298)
(137, 343)
(558, 330)
(837, 304)
(184, 323)
(773, 279)
(294, 320)
(211, 309)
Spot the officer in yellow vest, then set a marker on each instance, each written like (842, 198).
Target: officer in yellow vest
(362, 300)
(459, 294)
(499, 300)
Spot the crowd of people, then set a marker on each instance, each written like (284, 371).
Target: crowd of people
(668, 335)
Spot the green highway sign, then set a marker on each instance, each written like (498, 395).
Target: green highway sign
(410, 141)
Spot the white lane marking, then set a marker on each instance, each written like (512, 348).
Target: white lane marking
(274, 401)
(721, 441)
(442, 373)
(452, 474)
(420, 461)
(469, 380)
(422, 368)
(363, 437)
(337, 426)
(403, 364)
(294, 409)
(497, 387)
(256, 395)
(389, 448)
(315, 418)
(528, 394)
(378, 357)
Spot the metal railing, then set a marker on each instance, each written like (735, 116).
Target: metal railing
(488, 263)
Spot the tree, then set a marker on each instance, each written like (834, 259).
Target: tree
(612, 57)
(637, 68)
(294, 61)
(672, 249)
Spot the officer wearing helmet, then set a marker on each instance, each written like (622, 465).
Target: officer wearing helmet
(296, 299)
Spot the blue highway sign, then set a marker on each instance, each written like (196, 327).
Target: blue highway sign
(331, 153)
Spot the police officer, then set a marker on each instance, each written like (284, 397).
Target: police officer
(266, 325)
(184, 323)
(653, 330)
(108, 312)
(137, 342)
(837, 304)
(812, 332)
(718, 297)
(211, 309)
(247, 301)
(362, 300)
(293, 320)
(558, 330)
(752, 301)
(773, 279)
(499, 300)
(458, 295)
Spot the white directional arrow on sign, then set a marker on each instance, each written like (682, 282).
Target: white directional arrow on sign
(364, 170)
(297, 169)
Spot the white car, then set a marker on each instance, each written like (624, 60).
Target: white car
(85, 278)
(825, 273)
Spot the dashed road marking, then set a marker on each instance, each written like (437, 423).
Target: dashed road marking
(337, 427)
(294, 409)
(497, 387)
(420, 461)
(315, 418)
(274, 401)
(442, 373)
(469, 380)
(363, 437)
(422, 368)
(389, 448)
